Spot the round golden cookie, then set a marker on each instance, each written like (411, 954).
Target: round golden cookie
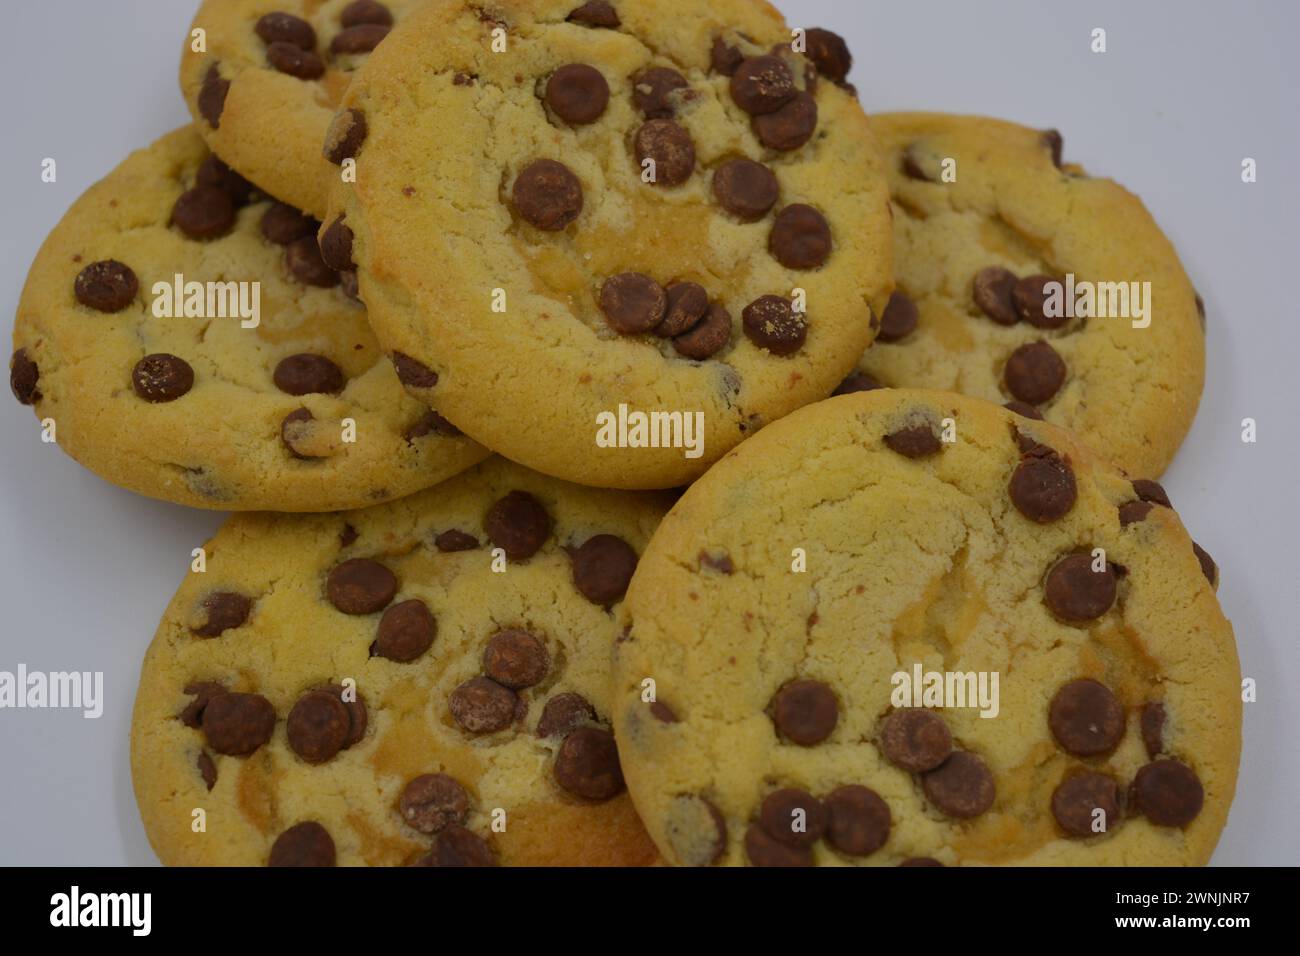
(264, 80)
(424, 681)
(972, 256)
(624, 242)
(180, 336)
(815, 631)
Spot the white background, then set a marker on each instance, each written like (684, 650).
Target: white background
(1186, 91)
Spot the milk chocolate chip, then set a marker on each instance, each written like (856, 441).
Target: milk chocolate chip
(899, 319)
(482, 706)
(361, 38)
(762, 84)
(746, 189)
(318, 725)
(603, 568)
(994, 289)
(857, 382)
(914, 441)
(303, 259)
(800, 237)
(516, 659)
(547, 195)
(204, 212)
(23, 376)
(162, 378)
(805, 712)
(295, 61)
(595, 13)
(858, 820)
(456, 846)
(1030, 296)
(789, 126)
(454, 540)
(653, 89)
(405, 632)
(687, 303)
(106, 286)
(1168, 793)
(283, 224)
(237, 724)
(1043, 488)
(1086, 718)
(336, 246)
(1076, 801)
(564, 713)
(308, 374)
(366, 11)
(519, 525)
(303, 844)
(577, 93)
(670, 148)
(224, 611)
(771, 323)
(345, 136)
(212, 96)
(961, 786)
(433, 801)
(587, 764)
(764, 850)
(1034, 373)
(1076, 593)
(794, 817)
(915, 740)
(360, 586)
(633, 303)
(708, 338)
(829, 53)
(286, 28)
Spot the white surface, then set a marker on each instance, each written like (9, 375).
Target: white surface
(1185, 92)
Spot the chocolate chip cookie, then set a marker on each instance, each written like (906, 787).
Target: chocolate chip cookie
(1022, 280)
(619, 242)
(181, 336)
(268, 77)
(912, 627)
(422, 682)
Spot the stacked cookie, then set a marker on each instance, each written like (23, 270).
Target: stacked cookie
(611, 242)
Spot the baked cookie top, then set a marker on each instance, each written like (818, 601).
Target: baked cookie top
(268, 77)
(792, 613)
(424, 681)
(187, 342)
(973, 256)
(568, 214)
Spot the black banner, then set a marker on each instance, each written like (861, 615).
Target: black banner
(188, 905)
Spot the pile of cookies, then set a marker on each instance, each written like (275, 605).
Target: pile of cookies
(687, 468)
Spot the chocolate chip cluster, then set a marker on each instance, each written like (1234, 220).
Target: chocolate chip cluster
(325, 720)
(549, 196)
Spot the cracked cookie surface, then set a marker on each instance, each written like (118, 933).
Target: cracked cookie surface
(364, 688)
(624, 209)
(970, 256)
(265, 86)
(202, 411)
(1119, 688)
